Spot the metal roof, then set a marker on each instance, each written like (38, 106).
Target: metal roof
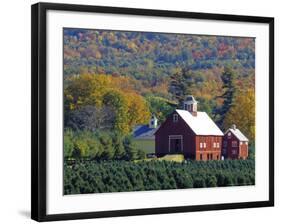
(201, 124)
(144, 132)
(238, 134)
(190, 100)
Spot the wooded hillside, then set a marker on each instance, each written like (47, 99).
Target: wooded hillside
(113, 73)
(115, 80)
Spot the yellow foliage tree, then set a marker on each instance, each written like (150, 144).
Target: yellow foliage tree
(104, 90)
(138, 112)
(242, 113)
(117, 100)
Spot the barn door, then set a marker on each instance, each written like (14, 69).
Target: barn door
(175, 144)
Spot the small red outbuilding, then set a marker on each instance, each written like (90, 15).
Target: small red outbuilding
(235, 144)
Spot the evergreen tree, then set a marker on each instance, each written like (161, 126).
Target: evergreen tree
(117, 141)
(106, 143)
(95, 147)
(181, 84)
(211, 181)
(228, 77)
(68, 145)
(141, 154)
(130, 149)
(199, 182)
(115, 176)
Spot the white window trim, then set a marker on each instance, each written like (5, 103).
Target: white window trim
(175, 137)
(175, 118)
(234, 143)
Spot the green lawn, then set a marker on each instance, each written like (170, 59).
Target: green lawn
(175, 158)
(172, 158)
(146, 145)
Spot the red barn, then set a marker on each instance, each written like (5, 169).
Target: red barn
(189, 132)
(235, 144)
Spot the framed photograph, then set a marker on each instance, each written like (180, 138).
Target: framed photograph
(140, 111)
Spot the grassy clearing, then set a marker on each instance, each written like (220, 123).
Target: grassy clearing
(173, 158)
(148, 146)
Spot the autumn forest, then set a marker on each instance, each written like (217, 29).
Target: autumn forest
(116, 80)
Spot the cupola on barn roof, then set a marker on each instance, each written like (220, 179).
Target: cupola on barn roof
(190, 104)
(190, 100)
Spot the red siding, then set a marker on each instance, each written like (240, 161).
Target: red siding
(243, 151)
(191, 142)
(211, 151)
(174, 128)
(238, 151)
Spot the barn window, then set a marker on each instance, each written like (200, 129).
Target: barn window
(234, 143)
(201, 145)
(204, 144)
(229, 135)
(218, 144)
(214, 145)
(175, 118)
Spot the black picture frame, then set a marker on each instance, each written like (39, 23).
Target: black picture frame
(39, 107)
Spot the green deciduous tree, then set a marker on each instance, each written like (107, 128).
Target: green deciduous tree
(160, 107)
(117, 101)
